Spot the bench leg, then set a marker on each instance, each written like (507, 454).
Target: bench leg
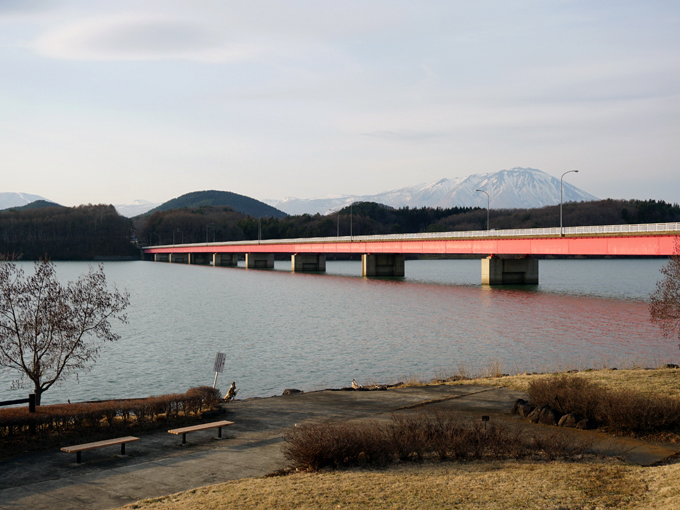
(122, 448)
(219, 431)
(184, 438)
(77, 457)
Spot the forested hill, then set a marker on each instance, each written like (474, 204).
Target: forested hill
(368, 218)
(90, 231)
(239, 203)
(66, 233)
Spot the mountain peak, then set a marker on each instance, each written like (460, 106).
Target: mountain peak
(517, 187)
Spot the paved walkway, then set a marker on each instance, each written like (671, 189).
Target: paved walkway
(159, 465)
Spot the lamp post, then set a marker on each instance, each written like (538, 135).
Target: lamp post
(173, 235)
(351, 231)
(488, 199)
(159, 238)
(561, 227)
(207, 227)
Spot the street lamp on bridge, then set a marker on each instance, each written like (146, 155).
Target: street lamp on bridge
(561, 193)
(173, 235)
(487, 207)
(206, 231)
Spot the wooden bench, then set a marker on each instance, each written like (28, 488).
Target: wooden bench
(203, 426)
(99, 444)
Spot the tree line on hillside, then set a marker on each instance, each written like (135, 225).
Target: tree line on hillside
(65, 233)
(90, 231)
(208, 224)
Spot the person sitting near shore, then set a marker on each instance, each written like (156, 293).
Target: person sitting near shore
(231, 394)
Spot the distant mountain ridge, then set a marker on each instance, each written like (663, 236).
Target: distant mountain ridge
(38, 204)
(508, 189)
(9, 200)
(135, 208)
(239, 203)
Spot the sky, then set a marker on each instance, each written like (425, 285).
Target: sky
(110, 102)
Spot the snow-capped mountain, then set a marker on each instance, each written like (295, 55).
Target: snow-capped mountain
(9, 199)
(508, 189)
(135, 208)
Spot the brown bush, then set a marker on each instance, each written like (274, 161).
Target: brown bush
(624, 411)
(632, 412)
(414, 437)
(568, 394)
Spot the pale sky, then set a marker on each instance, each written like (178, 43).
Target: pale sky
(108, 102)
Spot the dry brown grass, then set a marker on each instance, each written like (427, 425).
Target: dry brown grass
(661, 381)
(474, 485)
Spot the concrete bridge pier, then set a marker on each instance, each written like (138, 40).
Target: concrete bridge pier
(225, 259)
(179, 258)
(496, 271)
(260, 260)
(199, 258)
(161, 257)
(308, 262)
(382, 264)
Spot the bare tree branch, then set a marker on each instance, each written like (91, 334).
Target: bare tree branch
(664, 305)
(49, 331)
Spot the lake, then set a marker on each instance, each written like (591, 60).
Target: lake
(312, 331)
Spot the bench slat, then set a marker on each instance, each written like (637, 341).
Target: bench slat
(99, 444)
(202, 426)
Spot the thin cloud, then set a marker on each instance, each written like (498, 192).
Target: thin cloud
(135, 39)
(412, 136)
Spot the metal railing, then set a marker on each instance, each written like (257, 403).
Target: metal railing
(476, 234)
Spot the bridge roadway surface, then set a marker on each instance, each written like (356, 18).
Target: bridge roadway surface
(158, 465)
(656, 239)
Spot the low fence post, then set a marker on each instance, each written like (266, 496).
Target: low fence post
(31, 402)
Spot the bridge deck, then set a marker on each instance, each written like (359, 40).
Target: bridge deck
(613, 240)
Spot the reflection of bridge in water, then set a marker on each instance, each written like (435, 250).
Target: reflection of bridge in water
(510, 253)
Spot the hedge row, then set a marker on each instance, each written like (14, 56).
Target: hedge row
(413, 437)
(111, 413)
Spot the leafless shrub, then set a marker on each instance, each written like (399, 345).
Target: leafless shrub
(414, 437)
(624, 411)
(568, 394)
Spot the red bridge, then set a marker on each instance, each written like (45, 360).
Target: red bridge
(509, 252)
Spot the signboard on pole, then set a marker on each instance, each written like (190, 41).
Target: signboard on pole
(219, 362)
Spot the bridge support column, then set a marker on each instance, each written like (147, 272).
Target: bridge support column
(497, 271)
(161, 257)
(308, 262)
(225, 259)
(382, 264)
(260, 260)
(198, 258)
(179, 258)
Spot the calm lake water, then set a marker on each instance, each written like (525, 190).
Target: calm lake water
(312, 331)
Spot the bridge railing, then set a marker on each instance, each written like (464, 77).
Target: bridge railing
(477, 234)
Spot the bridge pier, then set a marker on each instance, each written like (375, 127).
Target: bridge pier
(307, 262)
(382, 264)
(225, 259)
(496, 271)
(161, 257)
(260, 260)
(199, 258)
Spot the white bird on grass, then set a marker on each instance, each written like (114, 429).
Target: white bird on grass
(356, 385)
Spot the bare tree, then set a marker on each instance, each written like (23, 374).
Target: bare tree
(664, 305)
(49, 331)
